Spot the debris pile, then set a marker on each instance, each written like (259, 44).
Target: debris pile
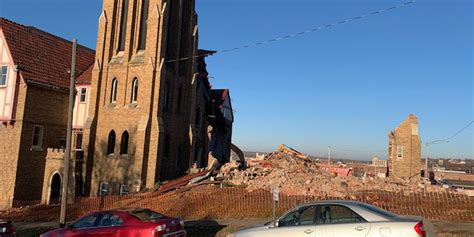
(298, 176)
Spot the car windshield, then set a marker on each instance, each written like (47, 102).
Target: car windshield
(379, 211)
(147, 215)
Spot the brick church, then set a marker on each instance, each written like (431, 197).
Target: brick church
(144, 111)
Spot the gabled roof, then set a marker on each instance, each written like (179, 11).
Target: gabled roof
(42, 57)
(86, 77)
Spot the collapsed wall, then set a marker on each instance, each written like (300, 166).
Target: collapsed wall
(296, 176)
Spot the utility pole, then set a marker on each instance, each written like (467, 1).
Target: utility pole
(329, 155)
(426, 159)
(67, 154)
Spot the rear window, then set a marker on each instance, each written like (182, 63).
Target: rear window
(379, 211)
(147, 215)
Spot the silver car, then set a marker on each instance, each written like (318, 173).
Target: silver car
(338, 218)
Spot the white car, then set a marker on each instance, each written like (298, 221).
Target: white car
(338, 219)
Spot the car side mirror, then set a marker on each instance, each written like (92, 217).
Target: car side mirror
(69, 227)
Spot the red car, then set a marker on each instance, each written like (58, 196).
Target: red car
(6, 229)
(122, 223)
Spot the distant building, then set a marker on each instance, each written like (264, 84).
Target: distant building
(376, 161)
(404, 149)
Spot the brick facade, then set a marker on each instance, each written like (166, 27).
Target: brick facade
(404, 149)
(38, 79)
(158, 122)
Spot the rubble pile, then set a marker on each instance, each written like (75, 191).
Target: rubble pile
(298, 176)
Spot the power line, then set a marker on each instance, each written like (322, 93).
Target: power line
(451, 137)
(308, 31)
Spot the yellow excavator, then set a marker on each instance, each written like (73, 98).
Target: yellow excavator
(290, 151)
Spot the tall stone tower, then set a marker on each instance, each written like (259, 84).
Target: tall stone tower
(139, 119)
(404, 149)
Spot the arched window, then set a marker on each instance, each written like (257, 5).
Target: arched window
(111, 143)
(124, 144)
(134, 90)
(113, 91)
(143, 25)
(123, 25)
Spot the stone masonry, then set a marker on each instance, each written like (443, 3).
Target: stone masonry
(404, 149)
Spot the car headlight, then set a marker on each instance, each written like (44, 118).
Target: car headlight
(3, 230)
(160, 228)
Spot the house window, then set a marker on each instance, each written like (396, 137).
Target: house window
(3, 78)
(124, 143)
(37, 137)
(134, 90)
(111, 143)
(124, 190)
(123, 26)
(400, 152)
(78, 141)
(83, 95)
(103, 188)
(113, 92)
(143, 25)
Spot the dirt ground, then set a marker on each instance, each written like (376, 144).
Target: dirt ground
(220, 228)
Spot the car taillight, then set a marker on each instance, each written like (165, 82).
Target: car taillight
(420, 229)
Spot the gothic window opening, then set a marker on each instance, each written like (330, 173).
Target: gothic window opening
(111, 143)
(184, 29)
(180, 99)
(198, 117)
(134, 90)
(123, 26)
(167, 147)
(143, 25)
(124, 143)
(113, 92)
(166, 93)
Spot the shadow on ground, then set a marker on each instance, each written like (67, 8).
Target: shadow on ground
(204, 228)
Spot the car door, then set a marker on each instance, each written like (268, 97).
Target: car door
(339, 220)
(82, 227)
(107, 226)
(298, 223)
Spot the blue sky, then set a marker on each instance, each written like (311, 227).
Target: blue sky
(345, 86)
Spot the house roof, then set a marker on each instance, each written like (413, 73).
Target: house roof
(42, 57)
(86, 77)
